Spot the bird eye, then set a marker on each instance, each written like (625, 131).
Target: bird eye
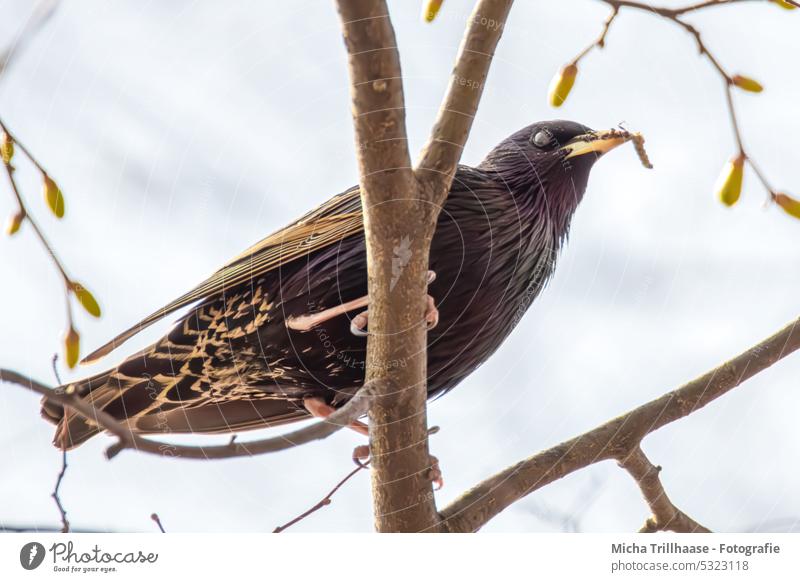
(542, 139)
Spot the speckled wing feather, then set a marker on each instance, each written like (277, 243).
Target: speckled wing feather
(328, 224)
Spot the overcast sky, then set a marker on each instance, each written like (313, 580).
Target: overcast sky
(182, 132)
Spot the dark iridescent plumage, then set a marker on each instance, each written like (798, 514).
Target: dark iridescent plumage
(232, 364)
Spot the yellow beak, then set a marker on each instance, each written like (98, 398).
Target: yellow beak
(597, 143)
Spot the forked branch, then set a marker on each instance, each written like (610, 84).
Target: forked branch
(666, 517)
(616, 439)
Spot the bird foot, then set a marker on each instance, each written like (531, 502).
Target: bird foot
(431, 313)
(321, 409)
(435, 473)
(358, 325)
(361, 456)
(311, 320)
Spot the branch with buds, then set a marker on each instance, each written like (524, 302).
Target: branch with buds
(729, 185)
(54, 199)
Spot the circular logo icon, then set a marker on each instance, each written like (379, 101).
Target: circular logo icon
(31, 555)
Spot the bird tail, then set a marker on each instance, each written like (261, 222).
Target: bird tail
(128, 400)
(72, 429)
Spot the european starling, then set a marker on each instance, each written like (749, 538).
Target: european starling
(277, 335)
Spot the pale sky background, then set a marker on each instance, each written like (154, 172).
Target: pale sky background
(182, 132)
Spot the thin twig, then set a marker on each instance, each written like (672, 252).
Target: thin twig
(570, 520)
(23, 210)
(21, 146)
(44, 10)
(356, 407)
(155, 518)
(601, 40)
(55, 495)
(674, 14)
(54, 363)
(323, 502)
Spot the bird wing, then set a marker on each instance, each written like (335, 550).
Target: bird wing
(329, 223)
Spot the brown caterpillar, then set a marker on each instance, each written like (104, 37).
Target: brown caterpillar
(638, 144)
(637, 139)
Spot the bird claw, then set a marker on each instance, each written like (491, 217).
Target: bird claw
(431, 314)
(318, 408)
(358, 325)
(435, 473)
(361, 456)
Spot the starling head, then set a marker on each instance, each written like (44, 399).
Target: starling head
(554, 156)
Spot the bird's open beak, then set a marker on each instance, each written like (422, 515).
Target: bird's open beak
(596, 142)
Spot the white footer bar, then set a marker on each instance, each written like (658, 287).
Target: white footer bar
(333, 557)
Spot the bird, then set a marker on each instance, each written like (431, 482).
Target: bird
(279, 333)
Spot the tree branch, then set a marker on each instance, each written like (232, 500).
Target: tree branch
(397, 259)
(666, 517)
(440, 156)
(400, 211)
(729, 81)
(615, 439)
(356, 407)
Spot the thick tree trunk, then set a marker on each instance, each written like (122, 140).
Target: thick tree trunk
(400, 210)
(397, 255)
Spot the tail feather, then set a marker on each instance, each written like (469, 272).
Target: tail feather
(135, 404)
(71, 428)
(72, 432)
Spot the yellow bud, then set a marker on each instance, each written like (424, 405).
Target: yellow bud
(561, 85)
(784, 4)
(53, 196)
(729, 183)
(6, 148)
(789, 204)
(14, 222)
(72, 347)
(747, 84)
(85, 298)
(430, 8)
